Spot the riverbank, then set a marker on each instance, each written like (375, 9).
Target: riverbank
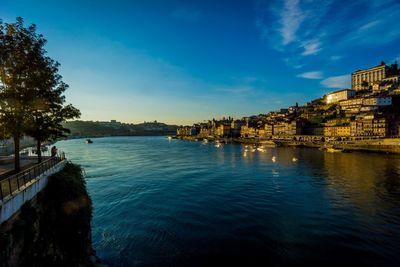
(54, 229)
(384, 145)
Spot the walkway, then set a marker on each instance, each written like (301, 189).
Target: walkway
(14, 182)
(7, 164)
(18, 188)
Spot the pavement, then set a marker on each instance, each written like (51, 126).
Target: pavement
(7, 164)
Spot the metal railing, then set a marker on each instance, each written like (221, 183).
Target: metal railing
(14, 183)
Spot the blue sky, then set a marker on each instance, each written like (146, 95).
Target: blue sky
(187, 61)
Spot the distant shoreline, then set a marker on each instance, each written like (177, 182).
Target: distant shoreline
(123, 135)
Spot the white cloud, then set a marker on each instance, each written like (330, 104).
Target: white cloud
(291, 18)
(342, 81)
(314, 75)
(311, 47)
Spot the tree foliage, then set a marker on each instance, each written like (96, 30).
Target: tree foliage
(18, 51)
(48, 111)
(31, 90)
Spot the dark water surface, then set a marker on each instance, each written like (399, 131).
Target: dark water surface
(179, 203)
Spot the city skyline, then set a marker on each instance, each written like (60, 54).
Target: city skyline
(181, 63)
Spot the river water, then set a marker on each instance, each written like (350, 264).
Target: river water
(160, 202)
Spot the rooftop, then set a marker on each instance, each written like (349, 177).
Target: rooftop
(341, 90)
(378, 66)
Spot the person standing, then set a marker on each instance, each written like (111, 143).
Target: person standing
(53, 151)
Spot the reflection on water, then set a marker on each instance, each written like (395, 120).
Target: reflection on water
(170, 203)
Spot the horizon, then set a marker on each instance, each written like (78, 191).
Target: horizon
(186, 62)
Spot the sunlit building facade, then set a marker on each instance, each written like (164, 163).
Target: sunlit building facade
(363, 79)
(339, 95)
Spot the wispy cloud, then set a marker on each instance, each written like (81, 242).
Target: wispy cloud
(311, 47)
(291, 18)
(186, 13)
(314, 75)
(375, 30)
(295, 21)
(342, 81)
(313, 30)
(369, 25)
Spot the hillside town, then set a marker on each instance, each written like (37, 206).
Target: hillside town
(370, 109)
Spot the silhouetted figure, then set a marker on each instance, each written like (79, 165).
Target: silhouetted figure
(53, 151)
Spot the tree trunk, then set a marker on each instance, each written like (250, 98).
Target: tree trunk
(17, 166)
(39, 151)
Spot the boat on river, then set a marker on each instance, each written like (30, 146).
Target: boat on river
(269, 143)
(88, 141)
(333, 150)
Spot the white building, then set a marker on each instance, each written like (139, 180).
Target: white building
(337, 96)
(362, 79)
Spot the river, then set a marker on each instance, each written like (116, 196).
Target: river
(160, 202)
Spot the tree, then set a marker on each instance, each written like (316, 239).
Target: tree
(47, 110)
(31, 90)
(3, 137)
(47, 124)
(393, 69)
(3, 132)
(19, 47)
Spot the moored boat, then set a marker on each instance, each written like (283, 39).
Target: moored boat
(333, 150)
(269, 143)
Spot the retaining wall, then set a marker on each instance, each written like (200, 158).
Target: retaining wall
(11, 204)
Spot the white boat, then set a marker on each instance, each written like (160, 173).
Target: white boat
(294, 159)
(273, 159)
(269, 143)
(333, 150)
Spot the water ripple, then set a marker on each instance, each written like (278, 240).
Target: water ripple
(176, 203)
